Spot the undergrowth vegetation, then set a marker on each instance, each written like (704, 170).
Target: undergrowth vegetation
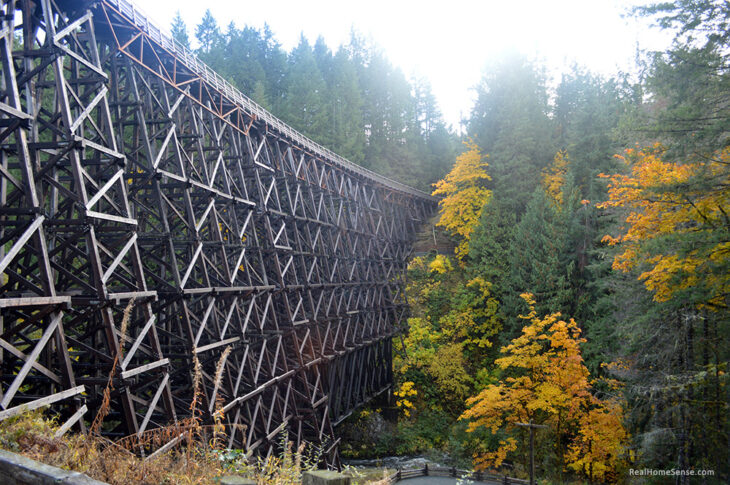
(198, 461)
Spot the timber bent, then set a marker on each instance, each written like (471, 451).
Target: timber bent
(158, 229)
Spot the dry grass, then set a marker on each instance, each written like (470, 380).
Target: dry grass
(31, 434)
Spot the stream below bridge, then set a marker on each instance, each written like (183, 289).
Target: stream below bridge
(376, 466)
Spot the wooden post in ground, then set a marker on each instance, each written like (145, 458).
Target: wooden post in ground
(532, 447)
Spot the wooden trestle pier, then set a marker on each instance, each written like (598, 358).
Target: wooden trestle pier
(131, 172)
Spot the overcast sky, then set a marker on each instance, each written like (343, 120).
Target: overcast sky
(449, 43)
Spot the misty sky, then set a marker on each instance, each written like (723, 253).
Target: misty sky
(449, 43)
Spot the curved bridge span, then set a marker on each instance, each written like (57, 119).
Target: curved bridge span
(159, 227)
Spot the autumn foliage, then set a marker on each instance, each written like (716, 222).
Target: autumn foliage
(678, 230)
(553, 178)
(445, 342)
(464, 195)
(545, 381)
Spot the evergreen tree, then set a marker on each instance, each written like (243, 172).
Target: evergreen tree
(587, 112)
(323, 58)
(491, 245)
(273, 59)
(305, 107)
(510, 122)
(436, 146)
(208, 33)
(537, 262)
(427, 117)
(348, 132)
(688, 87)
(247, 72)
(179, 30)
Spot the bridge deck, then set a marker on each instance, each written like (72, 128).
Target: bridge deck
(160, 228)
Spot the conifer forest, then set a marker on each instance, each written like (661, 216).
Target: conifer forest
(577, 275)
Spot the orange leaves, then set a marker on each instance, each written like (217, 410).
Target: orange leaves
(546, 382)
(497, 457)
(678, 223)
(599, 446)
(464, 195)
(669, 274)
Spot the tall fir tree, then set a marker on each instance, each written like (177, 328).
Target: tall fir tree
(305, 108)
(208, 33)
(510, 122)
(179, 30)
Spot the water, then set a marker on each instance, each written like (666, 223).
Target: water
(393, 463)
(438, 481)
(399, 462)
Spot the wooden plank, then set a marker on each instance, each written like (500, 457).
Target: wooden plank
(29, 362)
(191, 265)
(38, 403)
(122, 253)
(204, 321)
(205, 348)
(100, 148)
(167, 446)
(40, 368)
(16, 113)
(104, 189)
(138, 341)
(144, 368)
(34, 301)
(72, 26)
(71, 421)
(162, 149)
(18, 245)
(111, 218)
(205, 215)
(88, 109)
(153, 404)
(120, 296)
(80, 59)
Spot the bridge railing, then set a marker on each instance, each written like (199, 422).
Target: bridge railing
(140, 19)
(453, 472)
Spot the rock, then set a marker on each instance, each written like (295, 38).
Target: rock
(324, 477)
(236, 480)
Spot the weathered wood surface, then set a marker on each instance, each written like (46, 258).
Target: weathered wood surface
(471, 475)
(19, 470)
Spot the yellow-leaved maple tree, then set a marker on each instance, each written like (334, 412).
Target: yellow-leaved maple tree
(545, 381)
(678, 226)
(553, 178)
(464, 195)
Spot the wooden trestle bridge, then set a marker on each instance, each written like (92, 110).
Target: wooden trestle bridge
(134, 177)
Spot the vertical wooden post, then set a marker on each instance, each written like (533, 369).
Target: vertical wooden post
(532, 427)
(532, 455)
